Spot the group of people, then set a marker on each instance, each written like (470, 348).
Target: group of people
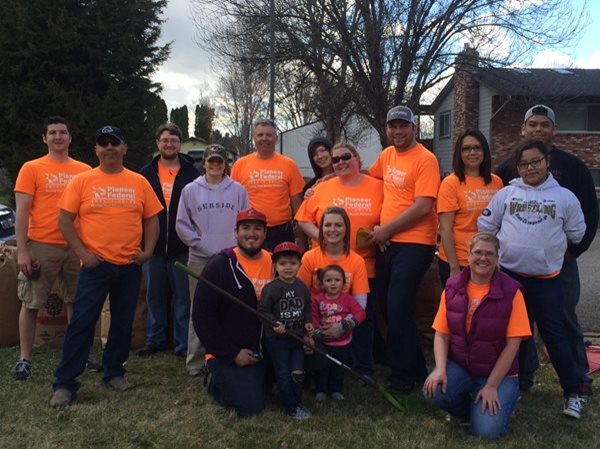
(373, 237)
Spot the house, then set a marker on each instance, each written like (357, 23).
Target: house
(494, 100)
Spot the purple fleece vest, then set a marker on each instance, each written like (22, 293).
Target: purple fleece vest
(479, 350)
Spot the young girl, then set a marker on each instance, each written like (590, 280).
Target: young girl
(333, 308)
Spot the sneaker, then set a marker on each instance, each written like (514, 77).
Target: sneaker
(119, 383)
(92, 366)
(337, 396)
(573, 406)
(146, 351)
(320, 396)
(61, 397)
(22, 370)
(300, 413)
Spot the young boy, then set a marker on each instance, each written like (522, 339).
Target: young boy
(286, 300)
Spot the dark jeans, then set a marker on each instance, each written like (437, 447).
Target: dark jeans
(444, 270)
(287, 358)
(403, 267)
(279, 234)
(163, 280)
(544, 298)
(528, 358)
(122, 282)
(363, 337)
(330, 376)
(239, 388)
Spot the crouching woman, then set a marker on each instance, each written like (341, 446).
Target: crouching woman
(480, 323)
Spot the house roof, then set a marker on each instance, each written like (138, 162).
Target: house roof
(543, 84)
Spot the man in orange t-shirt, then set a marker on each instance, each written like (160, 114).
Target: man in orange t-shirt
(407, 234)
(40, 244)
(273, 182)
(116, 208)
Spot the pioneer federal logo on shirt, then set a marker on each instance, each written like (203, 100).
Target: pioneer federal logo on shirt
(111, 196)
(265, 178)
(56, 182)
(394, 176)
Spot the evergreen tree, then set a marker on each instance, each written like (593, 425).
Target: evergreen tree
(180, 117)
(87, 60)
(156, 115)
(204, 119)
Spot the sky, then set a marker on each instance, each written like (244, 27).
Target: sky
(188, 73)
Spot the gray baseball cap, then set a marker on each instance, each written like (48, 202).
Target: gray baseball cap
(400, 113)
(540, 109)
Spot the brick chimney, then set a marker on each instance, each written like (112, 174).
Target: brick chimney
(466, 92)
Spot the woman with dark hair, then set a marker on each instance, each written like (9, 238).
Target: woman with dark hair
(334, 249)
(535, 218)
(319, 155)
(462, 197)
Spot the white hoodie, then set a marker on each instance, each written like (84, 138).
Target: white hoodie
(533, 225)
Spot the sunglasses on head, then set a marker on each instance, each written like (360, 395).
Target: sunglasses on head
(105, 141)
(344, 157)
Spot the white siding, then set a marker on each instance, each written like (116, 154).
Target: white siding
(443, 147)
(485, 110)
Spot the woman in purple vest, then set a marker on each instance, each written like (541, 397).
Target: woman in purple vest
(480, 323)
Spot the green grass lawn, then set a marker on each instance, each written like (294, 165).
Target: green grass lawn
(168, 409)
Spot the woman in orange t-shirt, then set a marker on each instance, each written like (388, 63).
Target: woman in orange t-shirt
(462, 197)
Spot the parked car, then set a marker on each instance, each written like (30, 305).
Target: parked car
(7, 223)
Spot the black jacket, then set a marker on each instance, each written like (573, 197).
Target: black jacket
(169, 243)
(571, 173)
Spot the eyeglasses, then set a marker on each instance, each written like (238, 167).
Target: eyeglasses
(344, 157)
(104, 142)
(172, 140)
(473, 149)
(487, 254)
(534, 163)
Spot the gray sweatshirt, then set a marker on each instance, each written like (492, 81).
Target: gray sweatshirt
(206, 216)
(533, 225)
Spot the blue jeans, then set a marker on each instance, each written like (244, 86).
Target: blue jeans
(460, 395)
(239, 388)
(122, 282)
(544, 298)
(162, 281)
(363, 337)
(404, 266)
(330, 376)
(287, 358)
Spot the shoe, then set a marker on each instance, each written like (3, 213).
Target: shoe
(337, 396)
(146, 351)
(573, 406)
(320, 396)
(22, 370)
(119, 383)
(300, 413)
(61, 397)
(92, 366)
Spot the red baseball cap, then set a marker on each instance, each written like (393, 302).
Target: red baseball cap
(287, 247)
(251, 215)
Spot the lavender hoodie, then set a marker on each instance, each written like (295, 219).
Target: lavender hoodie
(206, 216)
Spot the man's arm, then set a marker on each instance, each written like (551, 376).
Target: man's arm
(411, 216)
(295, 202)
(586, 195)
(151, 231)
(67, 228)
(23, 201)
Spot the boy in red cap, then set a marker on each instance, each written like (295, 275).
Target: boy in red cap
(286, 300)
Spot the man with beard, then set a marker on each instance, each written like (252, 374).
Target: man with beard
(231, 334)
(168, 174)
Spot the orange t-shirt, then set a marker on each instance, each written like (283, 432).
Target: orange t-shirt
(361, 202)
(110, 208)
(166, 177)
(467, 200)
(259, 271)
(518, 323)
(407, 175)
(270, 184)
(357, 281)
(45, 180)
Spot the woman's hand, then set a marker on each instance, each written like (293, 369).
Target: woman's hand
(437, 377)
(279, 329)
(488, 396)
(331, 331)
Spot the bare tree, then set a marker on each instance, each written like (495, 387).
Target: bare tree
(383, 52)
(241, 99)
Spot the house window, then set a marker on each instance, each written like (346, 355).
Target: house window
(444, 126)
(578, 117)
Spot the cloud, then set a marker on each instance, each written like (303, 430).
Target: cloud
(555, 59)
